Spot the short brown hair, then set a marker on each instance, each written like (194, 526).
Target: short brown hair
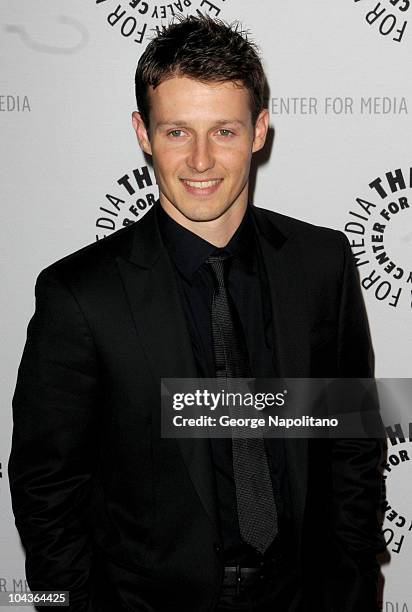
(205, 49)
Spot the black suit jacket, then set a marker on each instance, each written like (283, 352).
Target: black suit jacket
(101, 500)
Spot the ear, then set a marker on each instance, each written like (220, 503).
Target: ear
(261, 130)
(141, 132)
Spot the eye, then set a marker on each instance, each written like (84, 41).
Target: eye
(225, 132)
(175, 133)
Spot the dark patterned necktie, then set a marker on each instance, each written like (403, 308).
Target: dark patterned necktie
(255, 500)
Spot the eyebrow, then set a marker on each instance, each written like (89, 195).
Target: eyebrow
(184, 123)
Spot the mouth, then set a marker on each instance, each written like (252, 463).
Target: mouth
(201, 188)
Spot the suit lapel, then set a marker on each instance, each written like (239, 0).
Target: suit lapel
(150, 285)
(283, 264)
(282, 260)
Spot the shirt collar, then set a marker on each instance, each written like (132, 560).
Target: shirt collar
(188, 251)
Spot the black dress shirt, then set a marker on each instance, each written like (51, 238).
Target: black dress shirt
(248, 287)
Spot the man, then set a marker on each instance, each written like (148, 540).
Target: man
(204, 285)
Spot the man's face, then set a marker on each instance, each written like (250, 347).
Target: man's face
(201, 138)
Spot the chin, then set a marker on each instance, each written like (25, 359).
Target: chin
(203, 214)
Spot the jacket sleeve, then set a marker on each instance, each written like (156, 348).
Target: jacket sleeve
(356, 475)
(54, 442)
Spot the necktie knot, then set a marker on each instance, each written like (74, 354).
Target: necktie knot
(219, 264)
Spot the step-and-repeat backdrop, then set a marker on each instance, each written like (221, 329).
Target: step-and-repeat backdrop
(72, 173)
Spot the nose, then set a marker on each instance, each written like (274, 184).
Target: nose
(201, 156)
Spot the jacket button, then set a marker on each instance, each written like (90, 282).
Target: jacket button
(218, 548)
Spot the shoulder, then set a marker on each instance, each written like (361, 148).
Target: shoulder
(314, 239)
(92, 262)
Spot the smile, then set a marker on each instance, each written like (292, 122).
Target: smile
(202, 187)
(202, 184)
